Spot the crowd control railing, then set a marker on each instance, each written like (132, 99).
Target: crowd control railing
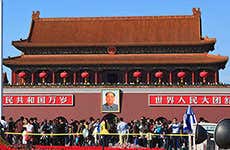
(151, 136)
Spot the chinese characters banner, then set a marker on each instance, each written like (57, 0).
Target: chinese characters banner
(38, 100)
(189, 99)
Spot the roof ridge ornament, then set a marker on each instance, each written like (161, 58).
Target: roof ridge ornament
(196, 11)
(206, 38)
(35, 15)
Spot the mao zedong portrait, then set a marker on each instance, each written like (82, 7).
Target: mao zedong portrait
(110, 105)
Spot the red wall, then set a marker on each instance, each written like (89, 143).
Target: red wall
(133, 106)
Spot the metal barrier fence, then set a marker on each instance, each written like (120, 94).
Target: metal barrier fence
(62, 134)
(145, 135)
(209, 144)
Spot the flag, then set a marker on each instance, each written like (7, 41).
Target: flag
(189, 119)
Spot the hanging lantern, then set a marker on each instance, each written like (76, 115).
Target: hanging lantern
(181, 75)
(43, 75)
(137, 75)
(159, 75)
(203, 75)
(22, 75)
(85, 75)
(63, 75)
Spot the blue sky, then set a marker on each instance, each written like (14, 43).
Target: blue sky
(215, 18)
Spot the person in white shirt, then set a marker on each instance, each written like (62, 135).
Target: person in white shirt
(175, 128)
(122, 129)
(4, 123)
(24, 136)
(29, 129)
(4, 126)
(96, 131)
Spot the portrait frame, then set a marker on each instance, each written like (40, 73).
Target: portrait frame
(104, 108)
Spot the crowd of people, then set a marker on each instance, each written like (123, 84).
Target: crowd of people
(108, 131)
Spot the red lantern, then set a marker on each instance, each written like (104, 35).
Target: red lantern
(85, 75)
(63, 74)
(203, 74)
(22, 74)
(181, 74)
(159, 75)
(43, 75)
(137, 74)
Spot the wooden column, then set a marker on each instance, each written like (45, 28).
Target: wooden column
(148, 78)
(13, 77)
(193, 77)
(74, 77)
(95, 77)
(216, 78)
(32, 77)
(126, 77)
(53, 77)
(170, 77)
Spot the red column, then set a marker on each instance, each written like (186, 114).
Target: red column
(193, 77)
(126, 77)
(99, 77)
(95, 77)
(13, 77)
(170, 77)
(148, 79)
(53, 77)
(216, 77)
(74, 78)
(32, 77)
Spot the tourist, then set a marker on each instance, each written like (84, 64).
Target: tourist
(3, 125)
(96, 132)
(28, 124)
(158, 130)
(175, 128)
(104, 131)
(19, 129)
(122, 129)
(36, 127)
(11, 128)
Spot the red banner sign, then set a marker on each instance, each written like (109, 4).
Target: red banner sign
(189, 99)
(38, 100)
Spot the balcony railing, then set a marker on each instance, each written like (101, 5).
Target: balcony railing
(116, 85)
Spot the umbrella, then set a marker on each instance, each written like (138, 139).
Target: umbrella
(188, 120)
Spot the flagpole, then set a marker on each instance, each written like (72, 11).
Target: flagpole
(194, 136)
(189, 126)
(194, 140)
(190, 141)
